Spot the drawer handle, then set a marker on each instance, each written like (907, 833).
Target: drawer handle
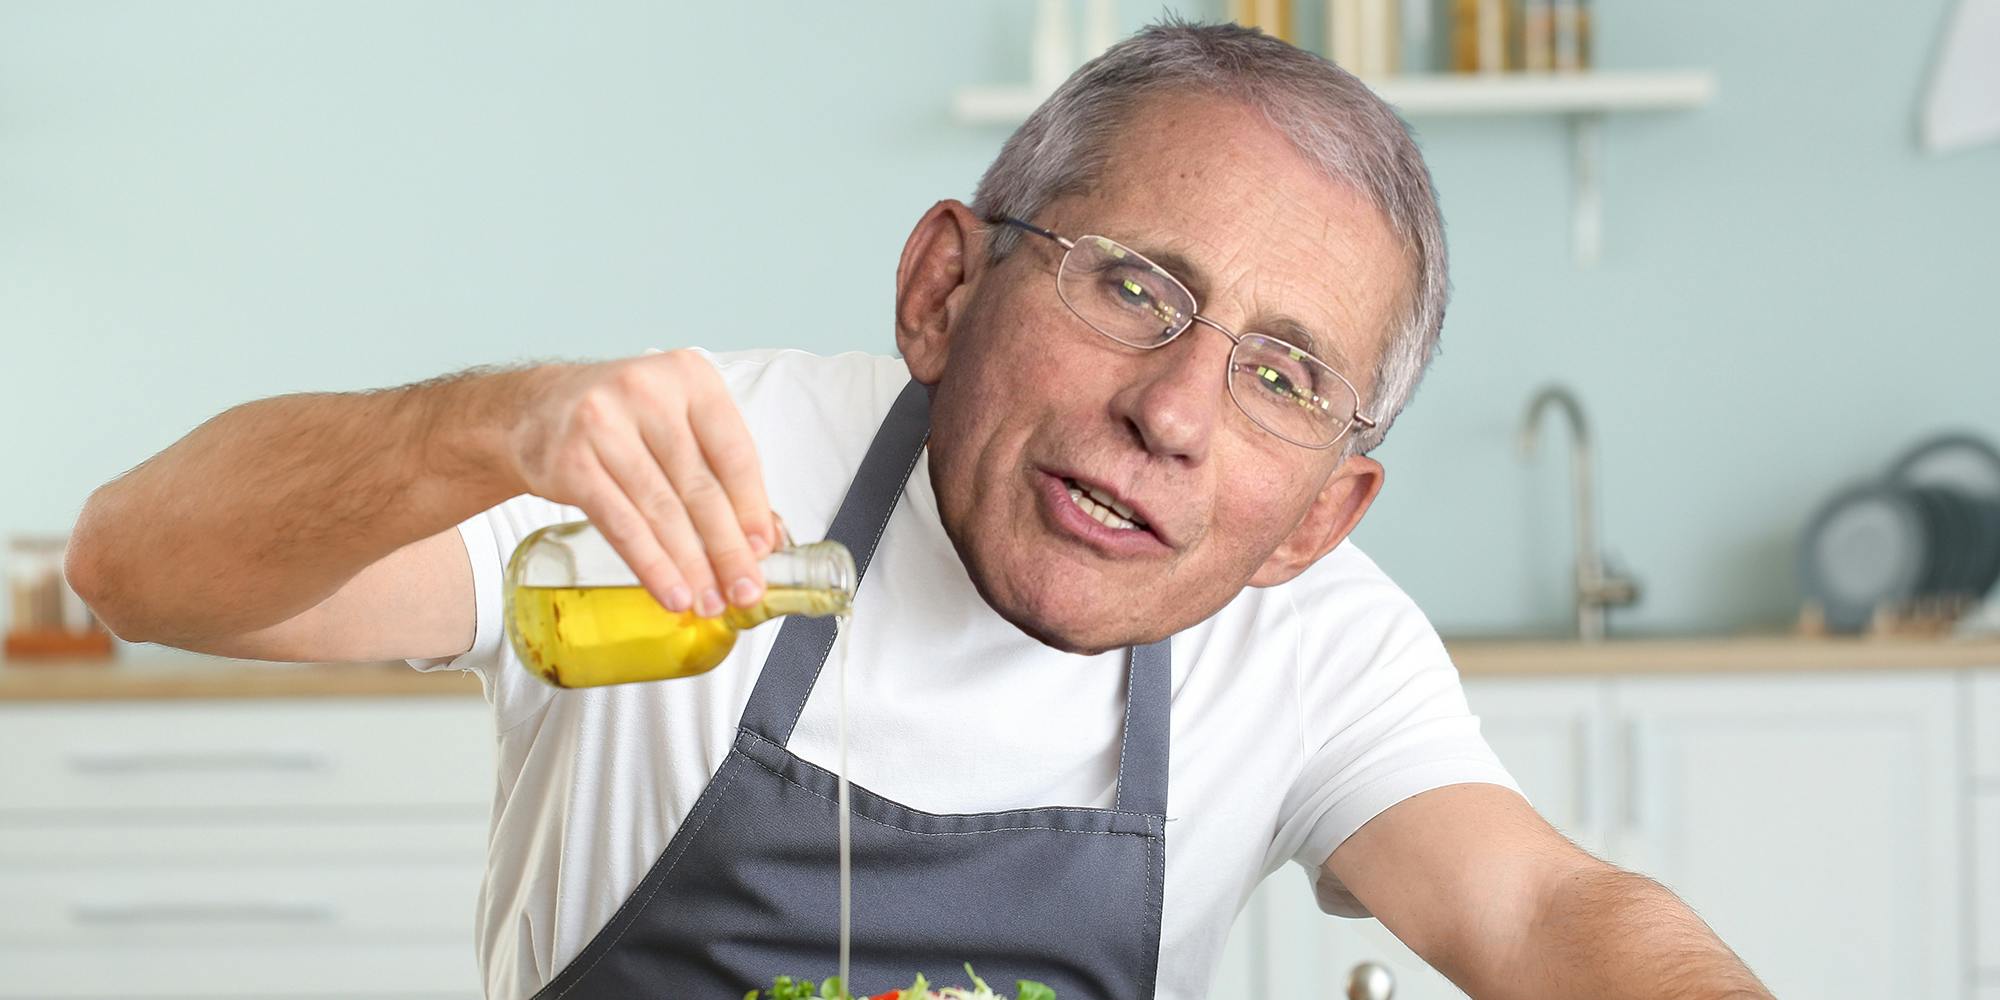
(246, 760)
(129, 914)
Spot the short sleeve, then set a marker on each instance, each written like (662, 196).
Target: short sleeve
(1389, 720)
(490, 537)
(477, 536)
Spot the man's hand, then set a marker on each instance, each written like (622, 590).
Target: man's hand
(655, 452)
(1482, 888)
(321, 526)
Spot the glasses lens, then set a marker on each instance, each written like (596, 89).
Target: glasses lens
(1289, 392)
(1122, 295)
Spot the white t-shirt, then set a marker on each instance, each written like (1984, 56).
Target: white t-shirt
(1299, 712)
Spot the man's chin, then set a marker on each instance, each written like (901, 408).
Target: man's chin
(1077, 627)
(1061, 612)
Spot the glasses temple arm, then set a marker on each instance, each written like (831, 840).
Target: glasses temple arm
(1008, 220)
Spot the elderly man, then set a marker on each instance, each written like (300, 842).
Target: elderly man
(1112, 476)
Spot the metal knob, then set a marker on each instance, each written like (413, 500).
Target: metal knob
(1370, 981)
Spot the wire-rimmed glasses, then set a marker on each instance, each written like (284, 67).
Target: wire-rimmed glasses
(1281, 387)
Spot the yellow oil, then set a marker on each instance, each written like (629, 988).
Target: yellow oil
(588, 636)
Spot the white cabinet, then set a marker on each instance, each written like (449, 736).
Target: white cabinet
(243, 848)
(1986, 882)
(1985, 701)
(1984, 719)
(1795, 812)
(1550, 733)
(1817, 821)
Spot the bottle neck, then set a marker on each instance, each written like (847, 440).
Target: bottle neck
(824, 566)
(816, 579)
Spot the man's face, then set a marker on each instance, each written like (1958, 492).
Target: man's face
(1031, 402)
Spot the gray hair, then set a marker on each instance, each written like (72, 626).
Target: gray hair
(1331, 118)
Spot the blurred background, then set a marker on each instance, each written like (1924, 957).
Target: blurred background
(208, 203)
(1756, 242)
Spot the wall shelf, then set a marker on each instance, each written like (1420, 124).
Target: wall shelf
(1583, 98)
(1460, 94)
(1443, 94)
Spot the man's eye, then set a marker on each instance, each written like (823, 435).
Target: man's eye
(1288, 384)
(1133, 293)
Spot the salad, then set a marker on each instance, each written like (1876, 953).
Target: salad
(787, 988)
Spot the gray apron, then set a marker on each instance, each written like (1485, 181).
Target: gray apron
(748, 888)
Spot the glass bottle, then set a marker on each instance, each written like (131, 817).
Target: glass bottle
(577, 616)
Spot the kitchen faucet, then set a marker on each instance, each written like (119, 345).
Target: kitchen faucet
(1597, 588)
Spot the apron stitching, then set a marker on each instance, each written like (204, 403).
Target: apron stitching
(1125, 737)
(947, 833)
(1157, 917)
(1080, 809)
(664, 873)
(861, 571)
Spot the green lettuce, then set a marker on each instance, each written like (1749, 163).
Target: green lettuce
(787, 988)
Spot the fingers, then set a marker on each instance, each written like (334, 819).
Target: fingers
(656, 452)
(731, 567)
(731, 455)
(632, 535)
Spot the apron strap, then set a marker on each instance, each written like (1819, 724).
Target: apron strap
(803, 643)
(1142, 754)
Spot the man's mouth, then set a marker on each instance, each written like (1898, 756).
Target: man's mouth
(1104, 508)
(1096, 516)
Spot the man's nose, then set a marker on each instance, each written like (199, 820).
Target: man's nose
(1174, 404)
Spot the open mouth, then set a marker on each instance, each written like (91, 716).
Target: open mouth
(1104, 508)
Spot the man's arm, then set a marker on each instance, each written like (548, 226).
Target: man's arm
(319, 526)
(1482, 888)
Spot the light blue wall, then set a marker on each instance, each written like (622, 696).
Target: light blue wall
(204, 203)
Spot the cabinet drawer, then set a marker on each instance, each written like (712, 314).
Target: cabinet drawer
(1986, 725)
(246, 755)
(224, 903)
(407, 971)
(237, 844)
(1986, 882)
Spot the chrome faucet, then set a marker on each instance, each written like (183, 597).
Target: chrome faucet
(1597, 588)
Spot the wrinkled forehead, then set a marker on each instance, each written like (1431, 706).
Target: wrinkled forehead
(1216, 194)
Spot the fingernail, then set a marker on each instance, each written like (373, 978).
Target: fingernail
(679, 597)
(760, 545)
(743, 593)
(711, 603)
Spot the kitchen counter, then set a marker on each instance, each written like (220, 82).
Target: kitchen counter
(1507, 657)
(151, 672)
(142, 672)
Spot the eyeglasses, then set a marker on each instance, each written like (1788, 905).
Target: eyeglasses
(1281, 387)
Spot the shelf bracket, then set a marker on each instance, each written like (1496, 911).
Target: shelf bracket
(1586, 139)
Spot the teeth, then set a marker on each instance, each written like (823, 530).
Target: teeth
(1123, 511)
(1105, 510)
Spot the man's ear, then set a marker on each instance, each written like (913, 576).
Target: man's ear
(1332, 516)
(944, 256)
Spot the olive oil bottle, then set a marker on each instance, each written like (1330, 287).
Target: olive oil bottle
(577, 617)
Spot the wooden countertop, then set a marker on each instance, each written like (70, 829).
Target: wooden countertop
(151, 672)
(1509, 657)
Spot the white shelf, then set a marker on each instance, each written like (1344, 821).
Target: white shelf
(1582, 98)
(1444, 94)
(1545, 93)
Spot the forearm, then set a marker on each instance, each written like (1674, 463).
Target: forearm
(266, 509)
(1605, 933)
